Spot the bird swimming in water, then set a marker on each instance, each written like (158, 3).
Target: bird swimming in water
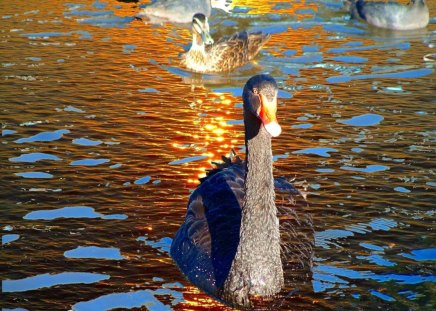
(235, 242)
(180, 11)
(391, 15)
(228, 53)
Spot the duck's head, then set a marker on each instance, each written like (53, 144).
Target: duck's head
(200, 29)
(260, 100)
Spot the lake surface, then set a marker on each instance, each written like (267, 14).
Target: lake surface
(104, 136)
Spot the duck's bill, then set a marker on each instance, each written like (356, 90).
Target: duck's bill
(207, 39)
(268, 116)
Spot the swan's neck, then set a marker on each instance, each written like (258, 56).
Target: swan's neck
(259, 180)
(257, 267)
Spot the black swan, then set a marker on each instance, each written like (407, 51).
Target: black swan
(235, 242)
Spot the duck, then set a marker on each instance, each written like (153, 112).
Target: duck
(235, 243)
(391, 15)
(208, 56)
(180, 11)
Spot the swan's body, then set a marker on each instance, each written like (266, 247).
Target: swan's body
(231, 244)
(180, 11)
(223, 55)
(391, 15)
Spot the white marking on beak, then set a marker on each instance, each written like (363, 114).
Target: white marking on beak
(273, 128)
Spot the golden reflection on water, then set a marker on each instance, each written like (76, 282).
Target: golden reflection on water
(107, 78)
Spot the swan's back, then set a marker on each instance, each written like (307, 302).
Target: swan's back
(206, 243)
(392, 15)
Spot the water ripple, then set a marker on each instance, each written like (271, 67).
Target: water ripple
(34, 157)
(44, 136)
(49, 280)
(94, 252)
(71, 212)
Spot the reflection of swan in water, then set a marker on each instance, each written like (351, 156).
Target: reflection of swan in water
(391, 15)
(235, 242)
(223, 55)
(180, 11)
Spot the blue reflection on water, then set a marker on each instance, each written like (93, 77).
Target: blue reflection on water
(358, 46)
(130, 300)
(350, 59)
(44, 136)
(89, 162)
(71, 212)
(8, 238)
(371, 247)
(341, 28)
(37, 175)
(34, 157)
(381, 295)
(402, 189)
(73, 109)
(48, 280)
(162, 245)
(367, 169)
(378, 260)
(410, 74)
(421, 254)
(324, 170)
(302, 126)
(326, 276)
(186, 160)
(363, 120)
(148, 90)
(320, 151)
(326, 239)
(94, 252)
(142, 180)
(8, 132)
(86, 142)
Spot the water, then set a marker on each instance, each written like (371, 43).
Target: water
(104, 136)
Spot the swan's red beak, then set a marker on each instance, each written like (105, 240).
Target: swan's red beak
(267, 113)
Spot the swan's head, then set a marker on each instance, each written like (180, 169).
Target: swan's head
(260, 98)
(200, 28)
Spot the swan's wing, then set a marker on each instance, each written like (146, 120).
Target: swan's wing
(205, 245)
(296, 225)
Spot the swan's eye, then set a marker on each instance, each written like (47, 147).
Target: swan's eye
(255, 91)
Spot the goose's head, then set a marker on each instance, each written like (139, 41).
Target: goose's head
(260, 101)
(200, 29)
